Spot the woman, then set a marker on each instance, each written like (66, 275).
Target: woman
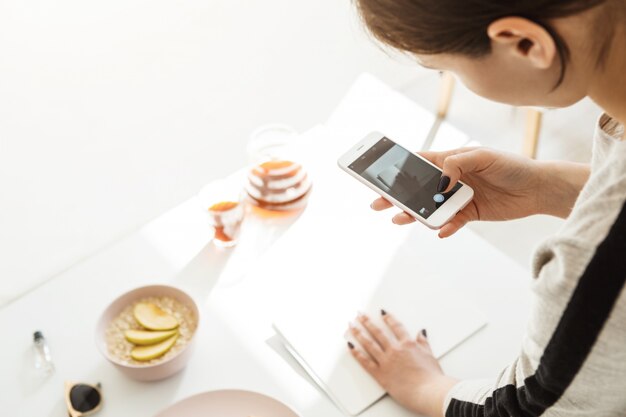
(543, 53)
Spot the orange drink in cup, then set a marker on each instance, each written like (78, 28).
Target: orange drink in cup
(225, 211)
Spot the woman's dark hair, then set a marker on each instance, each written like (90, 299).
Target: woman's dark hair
(460, 26)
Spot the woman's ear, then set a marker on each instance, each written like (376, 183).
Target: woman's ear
(524, 39)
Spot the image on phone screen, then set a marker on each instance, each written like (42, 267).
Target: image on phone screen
(403, 176)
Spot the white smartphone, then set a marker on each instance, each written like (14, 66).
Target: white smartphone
(405, 179)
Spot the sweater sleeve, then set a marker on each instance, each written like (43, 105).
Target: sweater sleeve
(507, 395)
(578, 294)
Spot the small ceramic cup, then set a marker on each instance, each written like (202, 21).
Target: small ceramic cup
(222, 201)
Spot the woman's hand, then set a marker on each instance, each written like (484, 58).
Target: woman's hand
(506, 186)
(404, 366)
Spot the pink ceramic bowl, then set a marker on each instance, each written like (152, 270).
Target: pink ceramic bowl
(148, 372)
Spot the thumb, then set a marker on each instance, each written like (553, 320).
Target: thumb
(456, 166)
(437, 157)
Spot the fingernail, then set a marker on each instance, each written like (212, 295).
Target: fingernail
(443, 183)
(350, 345)
(383, 312)
(424, 333)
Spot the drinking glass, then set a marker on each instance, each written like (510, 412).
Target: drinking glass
(223, 203)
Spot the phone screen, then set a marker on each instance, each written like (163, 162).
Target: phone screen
(403, 176)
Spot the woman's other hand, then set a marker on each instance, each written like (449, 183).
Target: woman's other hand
(403, 365)
(506, 186)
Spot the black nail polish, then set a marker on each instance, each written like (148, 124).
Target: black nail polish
(383, 312)
(350, 345)
(443, 183)
(424, 333)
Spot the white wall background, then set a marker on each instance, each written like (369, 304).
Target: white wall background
(112, 112)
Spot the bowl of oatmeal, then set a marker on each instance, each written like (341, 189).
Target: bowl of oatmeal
(148, 333)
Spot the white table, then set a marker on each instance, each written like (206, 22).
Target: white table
(234, 350)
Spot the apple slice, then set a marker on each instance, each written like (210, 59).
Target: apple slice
(146, 337)
(153, 318)
(146, 353)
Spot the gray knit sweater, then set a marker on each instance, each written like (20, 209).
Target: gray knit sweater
(573, 355)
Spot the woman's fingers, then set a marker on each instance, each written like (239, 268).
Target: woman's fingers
(372, 348)
(396, 327)
(365, 361)
(422, 339)
(463, 217)
(375, 331)
(403, 218)
(381, 204)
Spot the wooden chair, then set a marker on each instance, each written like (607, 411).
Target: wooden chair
(533, 116)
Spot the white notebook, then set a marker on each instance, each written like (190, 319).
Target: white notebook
(318, 342)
